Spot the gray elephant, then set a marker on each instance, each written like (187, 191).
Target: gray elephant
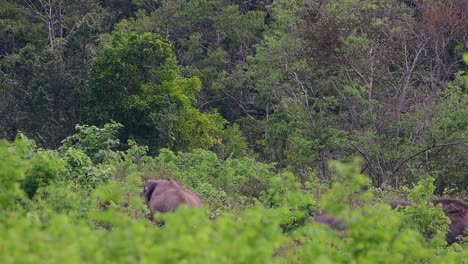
(166, 195)
(455, 210)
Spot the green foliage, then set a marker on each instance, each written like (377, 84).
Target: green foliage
(187, 236)
(306, 82)
(247, 103)
(374, 236)
(96, 175)
(16, 30)
(233, 145)
(136, 82)
(37, 112)
(107, 223)
(349, 188)
(430, 220)
(374, 233)
(46, 168)
(59, 198)
(449, 125)
(231, 184)
(130, 160)
(238, 29)
(12, 171)
(77, 162)
(96, 143)
(286, 192)
(251, 239)
(83, 172)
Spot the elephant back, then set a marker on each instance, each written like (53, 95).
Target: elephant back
(168, 195)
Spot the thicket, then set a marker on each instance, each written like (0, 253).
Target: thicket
(80, 205)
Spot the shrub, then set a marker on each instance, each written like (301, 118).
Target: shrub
(46, 167)
(430, 220)
(12, 170)
(286, 192)
(82, 212)
(96, 143)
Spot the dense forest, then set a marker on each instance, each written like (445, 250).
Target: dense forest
(271, 111)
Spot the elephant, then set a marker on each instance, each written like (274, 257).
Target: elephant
(332, 222)
(165, 196)
(455, 210)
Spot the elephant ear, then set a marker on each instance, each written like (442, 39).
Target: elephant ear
(149, 189)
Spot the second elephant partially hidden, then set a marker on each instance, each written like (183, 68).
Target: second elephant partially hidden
(165, 196)
(455, 210)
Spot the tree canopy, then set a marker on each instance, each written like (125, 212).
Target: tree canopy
(136, 82)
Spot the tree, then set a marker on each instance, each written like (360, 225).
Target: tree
(15, 29)
(51, 13)
(387, 64)
(38, 94)
(136, 82)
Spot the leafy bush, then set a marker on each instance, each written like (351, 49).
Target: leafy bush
(96, 143)
(285, 191)
(59, 198)
(85, 212)
(430, 220)
(83, 172)
(46, 167)
(12, 171)
(374, 233)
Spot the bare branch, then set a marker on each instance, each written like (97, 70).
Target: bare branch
(239, 104)
(397, 167)
(209, 102)
(368, 163)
